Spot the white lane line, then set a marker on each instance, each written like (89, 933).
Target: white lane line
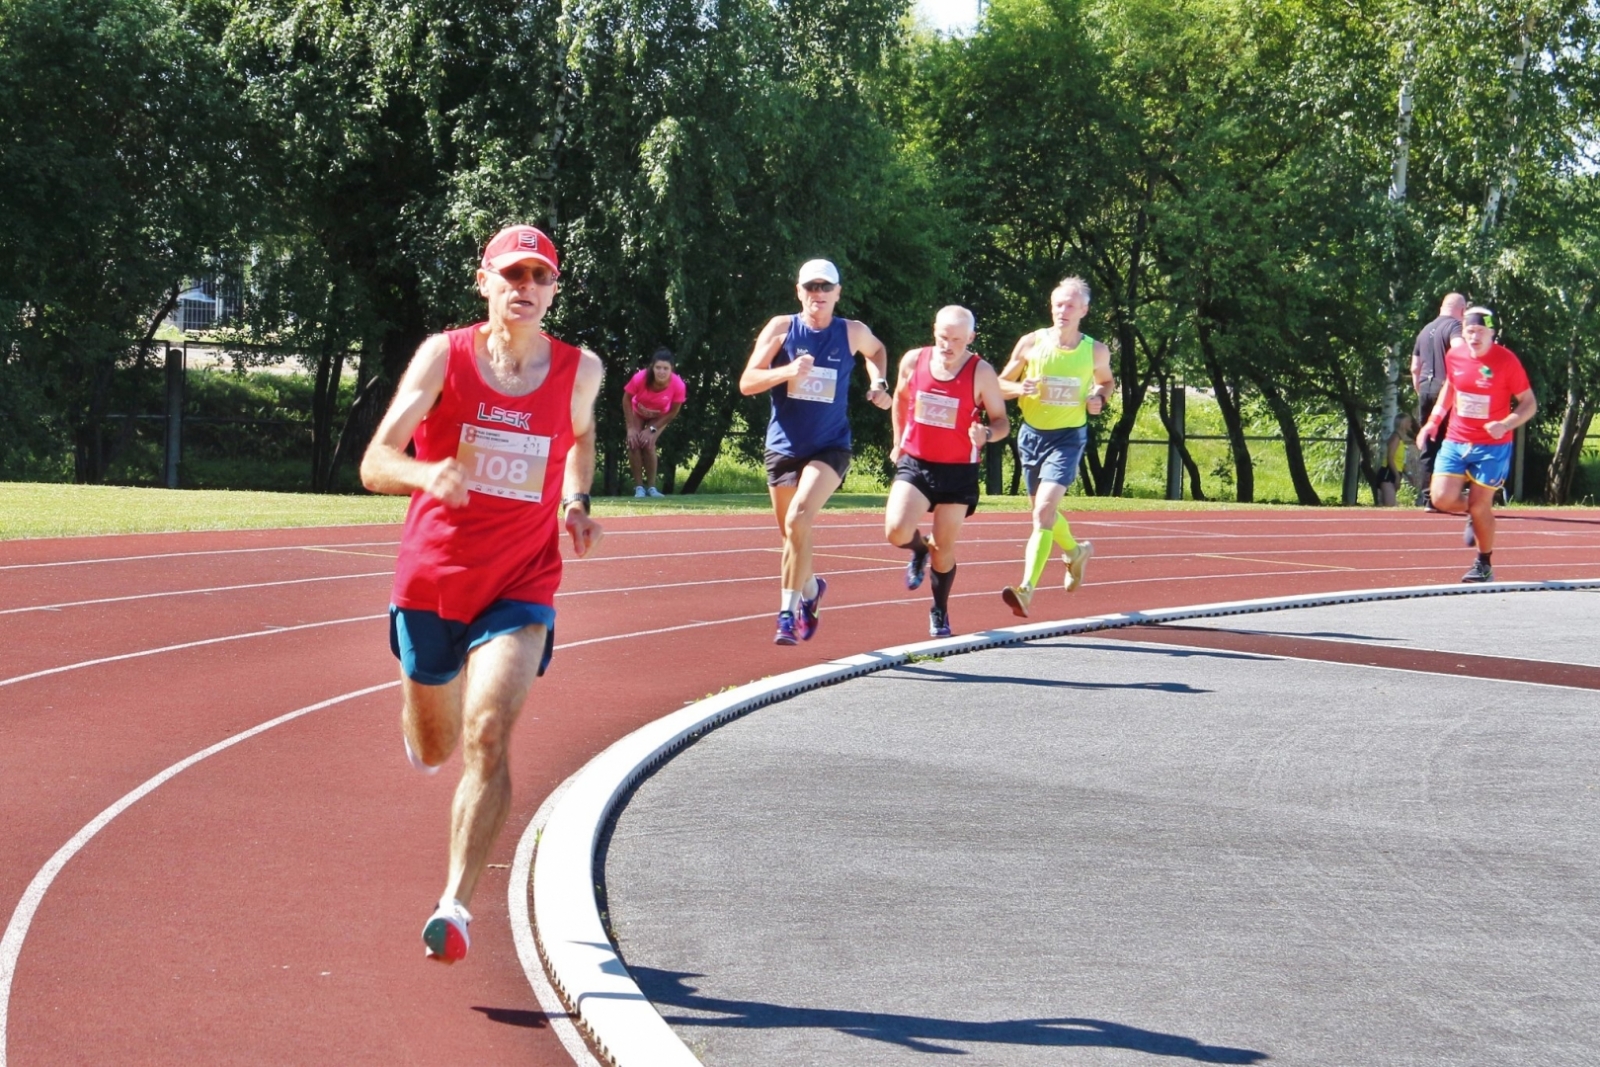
(188, 644)
(190, 555)
(28, 906)
(192, 592)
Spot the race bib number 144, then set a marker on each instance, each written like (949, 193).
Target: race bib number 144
(504, 463)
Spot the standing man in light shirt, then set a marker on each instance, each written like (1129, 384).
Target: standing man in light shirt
(1059, 376)
(501, 415)
(803, 362)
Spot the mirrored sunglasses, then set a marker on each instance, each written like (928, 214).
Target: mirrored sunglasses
(522, 273)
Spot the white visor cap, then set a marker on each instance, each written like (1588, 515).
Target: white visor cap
(819, 270)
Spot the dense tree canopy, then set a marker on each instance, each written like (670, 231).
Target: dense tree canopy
(1267, 196)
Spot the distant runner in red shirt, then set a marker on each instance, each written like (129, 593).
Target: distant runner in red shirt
(947, 406)
(502, 418)
(1483, 380)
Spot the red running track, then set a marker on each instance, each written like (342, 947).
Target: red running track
(263, 905)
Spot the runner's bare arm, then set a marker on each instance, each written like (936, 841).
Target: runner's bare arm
(1104, 380)
(759, 374)
(986, 384)
(1526, 408)
(1013, 384)
(901, 411)
(385, 468)
(631, 417)
(579, 475)
(1441, 407)
(872, 350)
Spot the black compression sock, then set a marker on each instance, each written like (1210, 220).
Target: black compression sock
(942, 581)
(1483, 558)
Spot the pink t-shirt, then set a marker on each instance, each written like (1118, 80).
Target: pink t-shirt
(650, 404)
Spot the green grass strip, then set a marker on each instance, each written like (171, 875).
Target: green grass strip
(55, 510)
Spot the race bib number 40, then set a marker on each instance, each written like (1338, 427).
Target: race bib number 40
(1472, 405)
(503, 463)
(935, 410)
(1063, 392)
(819, 385)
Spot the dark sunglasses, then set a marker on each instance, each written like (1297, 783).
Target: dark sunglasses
(819, 287)
(522, 273)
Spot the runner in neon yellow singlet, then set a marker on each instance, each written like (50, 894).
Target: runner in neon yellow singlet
(1059, 377)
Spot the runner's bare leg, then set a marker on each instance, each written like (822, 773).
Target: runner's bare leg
(499, 675)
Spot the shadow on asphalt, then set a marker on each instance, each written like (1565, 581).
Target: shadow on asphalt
(671, 989)
(534, 1020)
(1048, 683)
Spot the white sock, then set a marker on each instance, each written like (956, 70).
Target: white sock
(810, 592)
(791, 600)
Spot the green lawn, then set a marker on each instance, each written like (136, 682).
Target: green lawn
(55, 510)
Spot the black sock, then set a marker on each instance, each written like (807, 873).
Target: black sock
(916, 544)
(942, 581)
(1483, 558)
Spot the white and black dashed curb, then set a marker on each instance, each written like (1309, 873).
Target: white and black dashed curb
(584, 968)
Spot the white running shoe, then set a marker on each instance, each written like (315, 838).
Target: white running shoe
(1076, 563)
(653, 491)
(445, 933)
(639, 493)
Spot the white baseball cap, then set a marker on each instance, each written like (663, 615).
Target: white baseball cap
(819, 270)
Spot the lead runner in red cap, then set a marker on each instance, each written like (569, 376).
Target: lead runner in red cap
(501, 415)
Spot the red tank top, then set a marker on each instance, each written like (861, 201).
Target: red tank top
(506, 542)
(941, 412)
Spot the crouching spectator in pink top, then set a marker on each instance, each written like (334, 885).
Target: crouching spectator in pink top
(651, 399)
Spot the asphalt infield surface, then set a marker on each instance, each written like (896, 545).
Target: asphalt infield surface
(1358, 834)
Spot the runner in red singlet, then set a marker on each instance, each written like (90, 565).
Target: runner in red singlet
(502, 419)
(947, 406)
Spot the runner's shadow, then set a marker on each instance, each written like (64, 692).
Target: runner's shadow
(533, 1020)
(671, 989)
(1048, 683)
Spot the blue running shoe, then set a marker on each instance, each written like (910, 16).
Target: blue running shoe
(785, 634)
(938, 623)
(806, 624)
(917, 568)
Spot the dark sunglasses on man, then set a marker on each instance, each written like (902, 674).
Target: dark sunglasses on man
(819, 287)
(522, 273)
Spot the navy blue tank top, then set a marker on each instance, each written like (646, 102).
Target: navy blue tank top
(810, 416)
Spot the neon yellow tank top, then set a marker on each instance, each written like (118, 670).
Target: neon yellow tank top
(1066, 375)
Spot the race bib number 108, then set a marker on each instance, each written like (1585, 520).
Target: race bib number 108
(504, 463)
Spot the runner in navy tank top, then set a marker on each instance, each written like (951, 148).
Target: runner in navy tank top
(804, 361)
(502, 419)
(947, 406)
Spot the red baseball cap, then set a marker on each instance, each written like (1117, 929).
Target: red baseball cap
(517, 243)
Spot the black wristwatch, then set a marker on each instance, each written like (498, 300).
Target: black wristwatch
(576, 498)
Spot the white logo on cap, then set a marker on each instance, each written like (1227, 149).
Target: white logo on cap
(528, 239)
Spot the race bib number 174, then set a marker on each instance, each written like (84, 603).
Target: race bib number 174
(504, 463)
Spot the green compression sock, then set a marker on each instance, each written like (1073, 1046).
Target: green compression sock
(1038, 555)
(1062, 534)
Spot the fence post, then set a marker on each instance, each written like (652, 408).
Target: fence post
(1519, 453)
(1175, 395)
(175, 367)
(1352, 470)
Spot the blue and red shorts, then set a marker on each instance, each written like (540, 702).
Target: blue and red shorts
(1485, 465)
(432, 650)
